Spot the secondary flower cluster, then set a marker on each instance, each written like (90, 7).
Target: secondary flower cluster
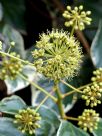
(10, 67)
(88, 120)
(76, 17)
(27, 120)
(57, 55)
(93, 92)
(97, 76)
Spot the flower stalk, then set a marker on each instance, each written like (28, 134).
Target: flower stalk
(59, 102)
(38, 87)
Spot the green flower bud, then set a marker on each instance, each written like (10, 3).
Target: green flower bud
(27, 120)
(88, 120)
(92, 94)
(10, 67)
(76, 17)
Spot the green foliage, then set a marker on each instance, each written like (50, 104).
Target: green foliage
(96, 47)
(52, 106)
(68, 129)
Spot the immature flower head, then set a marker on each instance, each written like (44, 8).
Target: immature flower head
(76, 17)
(27, 120)
(10, 67)
(97, 76)
(92, 94)
(57, 55)
(88, 120)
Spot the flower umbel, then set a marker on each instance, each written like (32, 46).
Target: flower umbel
(57, 55)
(27, 120)
(10, 67)
(97, 76)
(88, 120)
(92, 94)
(76, 17)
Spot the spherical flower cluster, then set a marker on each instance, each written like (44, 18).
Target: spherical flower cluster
(57, 55)
(92, 94)
(10, 67)
(88, 120)
(77, 17)
(27, 120)
(97, 76)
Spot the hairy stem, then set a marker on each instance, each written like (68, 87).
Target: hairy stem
(59, 101)
(38, 87)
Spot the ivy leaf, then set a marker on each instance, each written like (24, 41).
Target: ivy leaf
(68, 129)
(20, 83)
(1, 12)
(98, 132)
(12, 34)
(49, 120)
(12, 104)
(7, 128)
(96, 47)
(14, 13)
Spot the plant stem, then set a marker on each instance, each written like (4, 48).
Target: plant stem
(72, 32)
(69, 93)
(38, 87)
(59, 101)
(7, 54)
(77, 90)
(71, 118)
(43, 101)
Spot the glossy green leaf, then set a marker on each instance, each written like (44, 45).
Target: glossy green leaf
(20, 83)
(7, 128)
(14, 11)
(12, 104)
(96, 47)
(98, 132)
(1, 12)
(68, 129)
(12, 34)
(49, 122)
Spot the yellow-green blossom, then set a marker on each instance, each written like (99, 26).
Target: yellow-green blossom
(10, 67)
(97, 76)
(88, 120)
(27, 120)
(92, 94)
(57, 55)
(76, 17)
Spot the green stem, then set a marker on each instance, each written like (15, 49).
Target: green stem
(59, 101)
(71, 118)
(77, 90)
(69, 93)
(7, 54)
(43, 101)
(72, 32)
(38, 87)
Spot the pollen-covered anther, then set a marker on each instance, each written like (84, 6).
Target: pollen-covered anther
(57, 55)
(92, 95)
(88, 120)
(77, 17)
(27, 120)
